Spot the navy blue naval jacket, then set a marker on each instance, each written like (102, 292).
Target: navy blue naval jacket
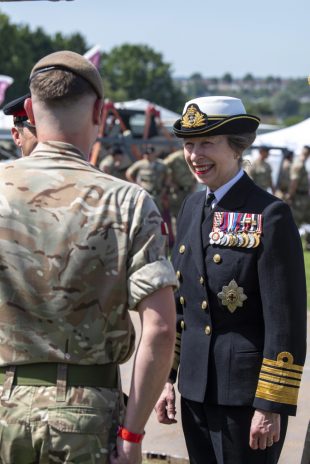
(254, 355)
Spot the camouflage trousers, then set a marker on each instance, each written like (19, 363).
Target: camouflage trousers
(301, 209)
(35, 428)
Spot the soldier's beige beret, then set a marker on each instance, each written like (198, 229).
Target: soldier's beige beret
(73, 62)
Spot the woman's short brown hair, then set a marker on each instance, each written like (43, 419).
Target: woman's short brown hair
(240, 142)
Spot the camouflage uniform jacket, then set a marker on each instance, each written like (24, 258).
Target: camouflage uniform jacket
(284, 179)
(298, 172)
(260, 172)
(108, 165)
(78, 249)
(301, 200)
(149, 175)
(181, 176)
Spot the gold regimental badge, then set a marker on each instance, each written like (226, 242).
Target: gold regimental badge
(193, 117)
(232, 296)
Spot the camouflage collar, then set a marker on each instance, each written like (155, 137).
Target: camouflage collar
(57, 148)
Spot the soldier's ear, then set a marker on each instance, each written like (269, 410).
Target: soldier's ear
(98, 111)
(16, 137)
(29, 110)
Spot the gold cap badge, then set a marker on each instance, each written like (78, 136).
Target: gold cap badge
(193, 117)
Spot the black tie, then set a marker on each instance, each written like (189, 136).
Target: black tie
(206, 225)
(210, 198)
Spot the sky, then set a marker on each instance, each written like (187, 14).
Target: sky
(267, 37)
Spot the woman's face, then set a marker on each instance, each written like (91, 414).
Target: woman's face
(211, 160)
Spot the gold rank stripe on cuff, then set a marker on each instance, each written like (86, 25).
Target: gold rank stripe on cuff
(178, 340)
(279, 380)
(283, 364)
(277, 393)
(281, 372)
(176, 362)
(284, 381)
(177, 349)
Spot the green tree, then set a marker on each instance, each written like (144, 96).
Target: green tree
(137, 71)
(298, 88)
(248, 78)
(227, 78)
(20, 48)
(197, 86)
(292, 120)
(284, 105)
(261, 108)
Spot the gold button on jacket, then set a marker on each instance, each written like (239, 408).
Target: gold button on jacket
(204, 304)
(201, 280)
(182, 249)
(217, 258)
(207, 330)
(182, 301)
(182, 325)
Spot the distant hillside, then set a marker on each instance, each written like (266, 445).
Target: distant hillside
(276, 100)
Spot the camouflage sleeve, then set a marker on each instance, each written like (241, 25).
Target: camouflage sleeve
(294, 171)
(107, 161)
(148, 267)
(132, 170)
(248, 168)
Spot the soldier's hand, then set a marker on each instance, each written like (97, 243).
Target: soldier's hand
(165, 406)
(126, 453)
(265, 429)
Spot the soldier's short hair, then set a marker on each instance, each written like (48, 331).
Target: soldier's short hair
(64, 75)
(59, 84)
(240, 142)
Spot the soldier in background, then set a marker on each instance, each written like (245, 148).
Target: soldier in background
(23, 133)
(260, 170)
(181, 181)
(71, 268)
(151, 174)
(298, 194)
(116, 163)
(284, 175)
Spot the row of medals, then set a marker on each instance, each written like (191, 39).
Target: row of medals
(238, 239)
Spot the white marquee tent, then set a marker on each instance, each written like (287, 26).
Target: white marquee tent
(292, 138)
(6, 122)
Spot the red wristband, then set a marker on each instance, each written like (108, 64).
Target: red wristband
(125, 434)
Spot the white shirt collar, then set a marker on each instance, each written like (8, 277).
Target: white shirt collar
(221, 191)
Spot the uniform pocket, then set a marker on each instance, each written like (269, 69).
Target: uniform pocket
(78, 419)
(244, 372)
(80, 434)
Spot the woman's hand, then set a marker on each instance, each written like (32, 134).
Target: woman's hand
(165, 406)
(265, 429)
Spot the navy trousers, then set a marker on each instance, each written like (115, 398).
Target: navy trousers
(220, 435)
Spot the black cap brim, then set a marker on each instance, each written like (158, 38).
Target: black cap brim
(237, 124)
(15, 106)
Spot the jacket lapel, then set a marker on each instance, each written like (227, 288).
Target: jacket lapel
(195, 233)
(236, 197)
